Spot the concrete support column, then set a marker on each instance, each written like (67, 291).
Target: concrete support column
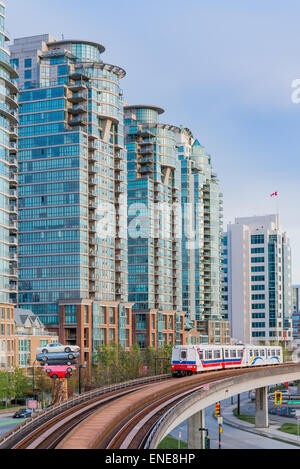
(196, 439)
(262, 416)
(298, 387)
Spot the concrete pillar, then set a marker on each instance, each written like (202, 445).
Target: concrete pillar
(262, 416)
(196, 439)
(298, 387)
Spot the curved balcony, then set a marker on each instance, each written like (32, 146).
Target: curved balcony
(12, 69)
(9, 113)
(9, 84)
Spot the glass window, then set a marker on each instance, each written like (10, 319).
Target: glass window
(28, 63)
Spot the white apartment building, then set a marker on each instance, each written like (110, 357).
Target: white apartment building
(257, 290)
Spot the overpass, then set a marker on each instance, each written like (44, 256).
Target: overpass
(192, 407)
(140, 413)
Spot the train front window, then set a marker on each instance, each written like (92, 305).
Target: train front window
(183, 355)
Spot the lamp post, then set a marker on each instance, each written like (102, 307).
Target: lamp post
(79, 380)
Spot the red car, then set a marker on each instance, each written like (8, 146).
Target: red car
(64, 371)
(59, 374)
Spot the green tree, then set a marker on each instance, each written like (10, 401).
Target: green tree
(20, 383)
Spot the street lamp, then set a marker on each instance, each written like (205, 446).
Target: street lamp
(79, 380)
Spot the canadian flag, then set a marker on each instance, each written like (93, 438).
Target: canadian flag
(275, 194)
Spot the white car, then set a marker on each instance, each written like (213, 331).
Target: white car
(57, 348)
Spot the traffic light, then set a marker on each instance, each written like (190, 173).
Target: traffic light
(278, 398)
(218, 410)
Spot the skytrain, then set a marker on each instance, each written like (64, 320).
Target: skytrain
(191, 359)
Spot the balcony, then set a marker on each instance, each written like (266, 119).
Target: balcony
(92, 169)
(79, 85)
(78, 121)
(13, 194)
(145, 170)
(77, 97)
(13, 178)
(13, 272)
(11, 114)
(13, 209)
(13, 240)
(13, 225)
(13, 256)
(145, 151)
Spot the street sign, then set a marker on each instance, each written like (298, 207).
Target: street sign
(32, 404)
(220, 420)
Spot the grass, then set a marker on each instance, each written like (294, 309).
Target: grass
(171, 443)
(10, 406)
(244, 417)
(291, 428)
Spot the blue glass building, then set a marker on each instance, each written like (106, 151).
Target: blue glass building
(8, 197)
(202, 212)
(72, 173)
(154, 238)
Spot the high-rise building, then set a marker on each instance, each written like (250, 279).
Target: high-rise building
(154, 236)
(202, 213)
(8, 196)
(296, 314)
(72, 191)
(174, 221)
(257, 280)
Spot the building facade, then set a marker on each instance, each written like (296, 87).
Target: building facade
(154, 239)
(72, 190)
(30, 333)
(174, 226)
(202, 214)
(296, 315)
(8, 197)
(257, 293)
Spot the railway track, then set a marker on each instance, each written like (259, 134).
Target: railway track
(128, 423)
(120, 418)
(47, 429)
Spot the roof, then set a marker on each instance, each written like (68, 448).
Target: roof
(158, 109)
(78, 41)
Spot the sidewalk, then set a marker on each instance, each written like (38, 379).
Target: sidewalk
(272, 432)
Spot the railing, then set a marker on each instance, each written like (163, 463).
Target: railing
(10, 438)
(150, 437)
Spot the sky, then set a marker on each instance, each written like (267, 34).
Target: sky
(224, 69)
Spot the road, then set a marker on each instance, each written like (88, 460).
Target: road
(7, 423)
(232, 438)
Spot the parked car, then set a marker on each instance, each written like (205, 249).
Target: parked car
(59, 374)
(22, 413)
(62, 356)
(54, 369)
(58, 361)
(57, 347)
